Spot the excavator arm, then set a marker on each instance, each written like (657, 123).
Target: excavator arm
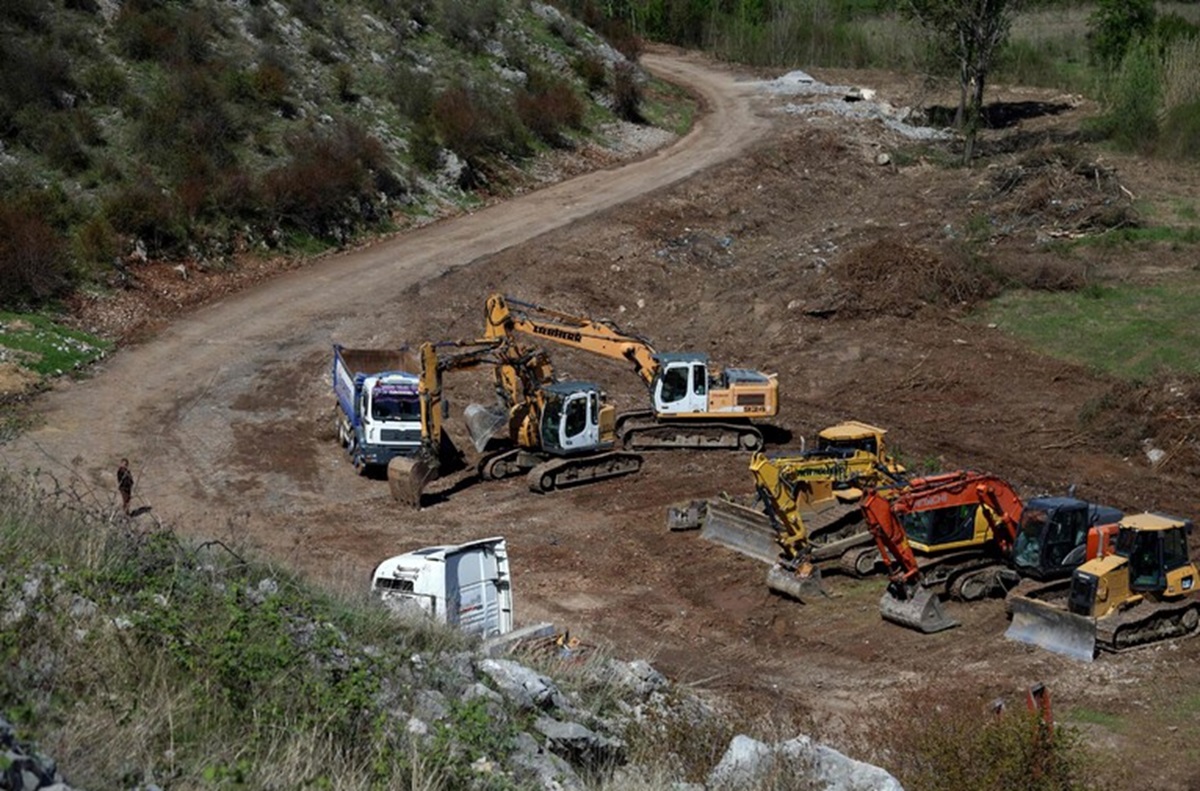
(507, 316)
(907, 601)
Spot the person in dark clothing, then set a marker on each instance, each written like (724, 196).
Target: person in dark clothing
(125, 484)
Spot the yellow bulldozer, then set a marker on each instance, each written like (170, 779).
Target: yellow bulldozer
(1142, 592)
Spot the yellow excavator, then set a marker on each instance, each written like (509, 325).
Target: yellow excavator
(1142, 592)
(808, 518)
(693, 405)
(557, 433)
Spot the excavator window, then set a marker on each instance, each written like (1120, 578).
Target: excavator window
(941, 525)
(699, 380)
(675, 384)
(577, 412)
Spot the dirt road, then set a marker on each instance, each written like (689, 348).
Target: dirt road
(737, 241)
(172, 403)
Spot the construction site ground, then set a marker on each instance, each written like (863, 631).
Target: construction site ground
(786, 243)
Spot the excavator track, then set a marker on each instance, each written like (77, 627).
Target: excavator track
(572, 471)
(641, 431)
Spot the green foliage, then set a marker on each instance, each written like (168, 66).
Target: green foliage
(1180, 133)
(143, 209)
(33, 264)
(1131, 118)
(1115, 25)
(627, 93)
(959, 749)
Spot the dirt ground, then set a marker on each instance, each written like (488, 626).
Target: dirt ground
(834, 251)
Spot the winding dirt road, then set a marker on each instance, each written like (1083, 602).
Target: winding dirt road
(172, 404)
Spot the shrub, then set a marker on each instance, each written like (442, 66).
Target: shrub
(547, 106)
(1115, 25)
(1180, 134)
(470, 22)
(1132, 116)
(591, 70)
(187, 126)
(145, 210)
(30, 77)
(33, 265)
(627, 93)
(105, 83)
(95, 242)
(412, 92)
(328, 181)
(165, 34)
(476, 126)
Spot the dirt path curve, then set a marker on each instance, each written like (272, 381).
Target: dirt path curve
(172, 404)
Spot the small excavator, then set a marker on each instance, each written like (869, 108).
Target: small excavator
(558, 433)
(693, 405)
(1142, 590)
(967, 527)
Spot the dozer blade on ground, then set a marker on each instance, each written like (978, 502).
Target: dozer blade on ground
(920, 610)
(803, 589)
(1052, 628)
(742, 529)
(407, 478)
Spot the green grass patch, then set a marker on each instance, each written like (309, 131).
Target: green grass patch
(1160, 234)
(669, 107)
(1082, 716)
(1129, 331)
(44, 347)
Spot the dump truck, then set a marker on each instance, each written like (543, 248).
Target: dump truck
(465, 585)
(1142, 591)
(378, 414)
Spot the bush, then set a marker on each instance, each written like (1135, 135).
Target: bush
(627, 93)
(164, 34)
(145, 210)
(1115, 25)
(476, 126)
(591, 70)
(547, 106)
(1180, 134)
(188, 126)
(1131, 119)
(33, 264)
(31, 77)
(470, 22)
(328, 182)
(412, 92)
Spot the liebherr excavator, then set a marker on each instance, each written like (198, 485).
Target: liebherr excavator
(558, 433)
(692, 404)
(975, 538)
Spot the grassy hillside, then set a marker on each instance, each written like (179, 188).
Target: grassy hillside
(155, 128)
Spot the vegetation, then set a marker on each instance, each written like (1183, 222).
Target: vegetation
(1130, 331)
(40, 345)
(209, 129)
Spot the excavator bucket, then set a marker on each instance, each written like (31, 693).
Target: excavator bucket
(407, 478)
(921, 610)
(1052, 628)
(802, 588)
(483, 423)
(741, 529)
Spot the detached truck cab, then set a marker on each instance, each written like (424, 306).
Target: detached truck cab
(468, 585)
(378, 413)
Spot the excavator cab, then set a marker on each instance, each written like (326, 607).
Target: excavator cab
(1053, 537)
(681, 386)
(574, 419)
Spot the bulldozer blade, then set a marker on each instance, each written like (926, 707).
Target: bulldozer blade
(802, 589)
(1053, 629)
(741, 529)
(407, 478)
(921, 611)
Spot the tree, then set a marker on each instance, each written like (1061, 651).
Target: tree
(1115, 24)
(969, 34)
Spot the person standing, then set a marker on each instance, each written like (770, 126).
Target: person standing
(125, 484)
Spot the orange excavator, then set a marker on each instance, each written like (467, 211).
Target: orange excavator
(963, 523)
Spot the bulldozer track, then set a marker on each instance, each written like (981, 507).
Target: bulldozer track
(1138, 627)
(640, 431)
(560, 473)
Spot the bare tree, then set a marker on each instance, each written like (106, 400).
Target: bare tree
(970, 34)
